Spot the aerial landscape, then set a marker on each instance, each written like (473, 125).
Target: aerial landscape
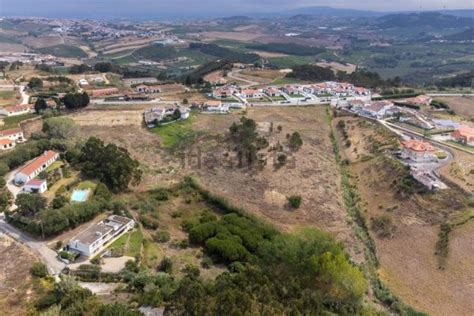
(240, 158)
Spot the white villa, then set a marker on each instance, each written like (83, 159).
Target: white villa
(35, 166)
(418, 151)
(216, 106)
(36, 186)
(14, 110)
(14, 134)
(96, 237)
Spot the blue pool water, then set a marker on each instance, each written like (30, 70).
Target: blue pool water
(80, 195)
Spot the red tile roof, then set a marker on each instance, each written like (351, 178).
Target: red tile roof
(11, 131)
(36, 163)
(37, 182)
(464, 132)
(418, 145)
(5, 141)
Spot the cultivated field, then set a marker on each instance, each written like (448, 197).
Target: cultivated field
(463, 106)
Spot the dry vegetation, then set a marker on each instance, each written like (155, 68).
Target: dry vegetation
(463, 106)
(15, 281)
(412, 273)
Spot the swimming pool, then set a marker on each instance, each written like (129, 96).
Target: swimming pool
(80, 195)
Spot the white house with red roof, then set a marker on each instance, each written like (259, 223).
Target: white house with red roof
(272, 92)
(35, 186)
(216, 106)
(13, 134)
(14, 110)
(464, 135)
(31, 169)
(6, 144)
(143, 88)
(251, 94)
(418, 151)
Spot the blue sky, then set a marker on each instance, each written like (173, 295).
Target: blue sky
(122, 8)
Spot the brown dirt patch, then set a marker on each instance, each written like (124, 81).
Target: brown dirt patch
(463, 106)
(460, 171)
(236, 36)
(349, 68)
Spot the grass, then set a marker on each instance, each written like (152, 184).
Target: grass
(135, 243)
(461, 146)
(285, 80)
(176, 133)
(86, 185)
(63, 50)
(55, 165)
(13, 121)
(151, 254)
(119, 244)
(290, 61)
(7, 94)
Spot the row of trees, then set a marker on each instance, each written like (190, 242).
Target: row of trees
(244, 135)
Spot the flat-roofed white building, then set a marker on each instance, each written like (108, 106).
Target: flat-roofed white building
(96, 237)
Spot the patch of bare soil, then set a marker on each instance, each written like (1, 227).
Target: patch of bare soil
(15, 280)
(460, 171)
(335, 66)
(237, 36)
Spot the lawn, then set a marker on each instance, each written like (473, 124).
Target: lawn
(135, 243)
(13, 121)
(285, 80)
(7, 94)
(290, 61)
(86, 185)
(55, 165)
(175, 133)
(119, 244)
(279, 98)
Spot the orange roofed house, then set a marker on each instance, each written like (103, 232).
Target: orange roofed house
(31, 169)
(418, 151)
(102, 92)
(464, 135)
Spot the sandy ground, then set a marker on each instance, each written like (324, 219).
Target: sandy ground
(100, 288)
(12, 48)
(269, 54)
(460, 170)
(15, 281)
(43, 41)
(349, 68)
(237, 36)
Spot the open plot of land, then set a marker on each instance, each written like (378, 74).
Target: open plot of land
(412, 273)
(349, 68)
(237, 36)
(463, 106)
(15, 281)
(460, 170)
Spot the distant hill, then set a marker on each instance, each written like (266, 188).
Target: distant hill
(431, 19)
(466, 35)
(333, 11)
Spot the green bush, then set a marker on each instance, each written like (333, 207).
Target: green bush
(295, 201)
(39, 270)
(162, 236)
(166, 265)
(383, 226)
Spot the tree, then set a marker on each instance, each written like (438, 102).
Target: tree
(185, 101)
(60, 127)
(35, 83)
(102, 192)
(40, 105)
(39, 270)
(59, 202)
(30, 203)
(116, 309)
(295, 141)
(110, 164)
(74, 101)
(295, 201)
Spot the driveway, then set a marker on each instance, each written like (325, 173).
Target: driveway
(47, 255)
(14, 190)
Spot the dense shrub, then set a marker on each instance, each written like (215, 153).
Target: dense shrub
(295, 201)
(39, 270)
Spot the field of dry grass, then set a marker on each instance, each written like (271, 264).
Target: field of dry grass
(412, 273)
(15, 281)
(463, 106)
(236, 36)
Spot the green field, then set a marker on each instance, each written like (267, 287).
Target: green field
(63, 50)
(135, 243)
(291, 61)
(13, 121)
(176, 133)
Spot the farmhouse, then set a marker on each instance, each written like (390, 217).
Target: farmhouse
(13, 134)
(418, 151)
(35, 186)
(97, 236)
(216, 106)
(83, 82)
(147, 89)
(35, 166)
(6, 144)
(14, 110)
(102, 92)
(464, 134)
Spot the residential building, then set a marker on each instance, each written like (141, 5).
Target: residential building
(135, 81)
(34, 167)
(272, 92)
(155, 115)
(223, 92)
(83, 82)
(35, 186)
(376, 109)
(418, 151)
(6, 144)
(102, 92)
(98, 236)
(14, 110)
(142, 88)
(251, 94)
(13, 134)
(216, 106)
(419, 100)
(464, 134)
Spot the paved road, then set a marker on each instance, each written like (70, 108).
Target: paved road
(47, 255)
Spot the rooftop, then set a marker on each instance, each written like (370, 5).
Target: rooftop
(418, 145)
(36, 182)
(11, 131)
(36, 163)
(96, 231)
